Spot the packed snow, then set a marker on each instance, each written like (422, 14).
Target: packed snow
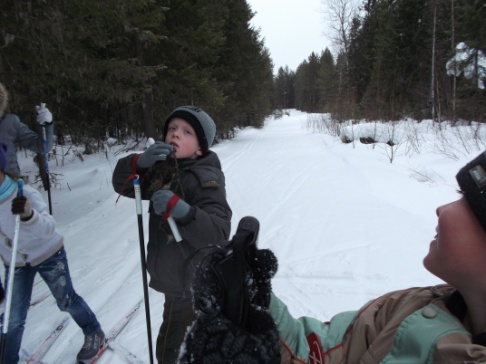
(347, 221)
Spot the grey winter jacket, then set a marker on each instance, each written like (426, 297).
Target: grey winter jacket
(13, 131)
(171, 264)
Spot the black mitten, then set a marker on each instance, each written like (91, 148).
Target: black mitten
(231, 292)
(21, 206)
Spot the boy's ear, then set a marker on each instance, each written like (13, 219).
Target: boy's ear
(199, 152)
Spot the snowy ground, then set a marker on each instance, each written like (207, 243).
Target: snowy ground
(345, 223)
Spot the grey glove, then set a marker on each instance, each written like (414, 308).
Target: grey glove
(166, 203)
(155, 153)
(44, 116)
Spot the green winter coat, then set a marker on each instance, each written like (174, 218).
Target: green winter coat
(417, 325)
(171, 264)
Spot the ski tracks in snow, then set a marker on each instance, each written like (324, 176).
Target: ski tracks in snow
(299, 189)
(334, 263)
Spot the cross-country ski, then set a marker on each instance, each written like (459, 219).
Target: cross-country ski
(113, 333)
(122, 352)
(38, 355)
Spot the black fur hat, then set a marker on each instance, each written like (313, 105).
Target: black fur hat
(472, 181)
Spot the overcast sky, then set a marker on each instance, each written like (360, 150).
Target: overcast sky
(292, 29)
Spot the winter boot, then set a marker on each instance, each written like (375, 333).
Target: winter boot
(92, 344)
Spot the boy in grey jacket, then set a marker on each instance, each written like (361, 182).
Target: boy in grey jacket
(182, 179)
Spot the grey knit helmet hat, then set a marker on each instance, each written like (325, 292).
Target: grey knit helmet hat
(202, 123)
(472, 181)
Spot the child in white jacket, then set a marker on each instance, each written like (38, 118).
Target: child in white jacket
(40, 250)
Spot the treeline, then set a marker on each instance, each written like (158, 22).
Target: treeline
(394, 62)
(118, 67)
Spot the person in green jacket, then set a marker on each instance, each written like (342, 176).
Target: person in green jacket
(183, 180)
(438, 324)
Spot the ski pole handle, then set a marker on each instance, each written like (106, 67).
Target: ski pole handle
(20, 187)
(138, 195)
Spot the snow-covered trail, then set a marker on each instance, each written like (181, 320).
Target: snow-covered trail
(326, 217)
(345, 224)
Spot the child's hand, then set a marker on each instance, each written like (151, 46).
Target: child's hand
(21, 206)
(155, 153)
(166, 203)
(44, 116)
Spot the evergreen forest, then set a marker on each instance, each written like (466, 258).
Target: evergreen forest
(116, 68)
(393, 62)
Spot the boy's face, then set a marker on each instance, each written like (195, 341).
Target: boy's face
(457, 254)
(181, 135)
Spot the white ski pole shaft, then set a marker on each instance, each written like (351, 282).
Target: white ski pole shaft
(13, 261)
(138, 195)
(174, 228)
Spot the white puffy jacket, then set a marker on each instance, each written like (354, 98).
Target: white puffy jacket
(38, 237)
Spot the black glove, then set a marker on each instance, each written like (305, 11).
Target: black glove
(21, 206)
(155, 153)
(231, 293)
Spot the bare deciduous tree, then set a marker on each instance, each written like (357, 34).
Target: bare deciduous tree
(339, 14)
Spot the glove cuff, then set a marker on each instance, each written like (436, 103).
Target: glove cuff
(27, 218)
(170, 205)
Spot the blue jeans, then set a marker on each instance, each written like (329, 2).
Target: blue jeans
(55, 272)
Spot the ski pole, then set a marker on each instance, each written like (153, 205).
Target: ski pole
(138, 202)
(174, 228)
(46, 158)
(170, 219)
(11, 274)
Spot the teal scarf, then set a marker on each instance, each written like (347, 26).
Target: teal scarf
(6, 188)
